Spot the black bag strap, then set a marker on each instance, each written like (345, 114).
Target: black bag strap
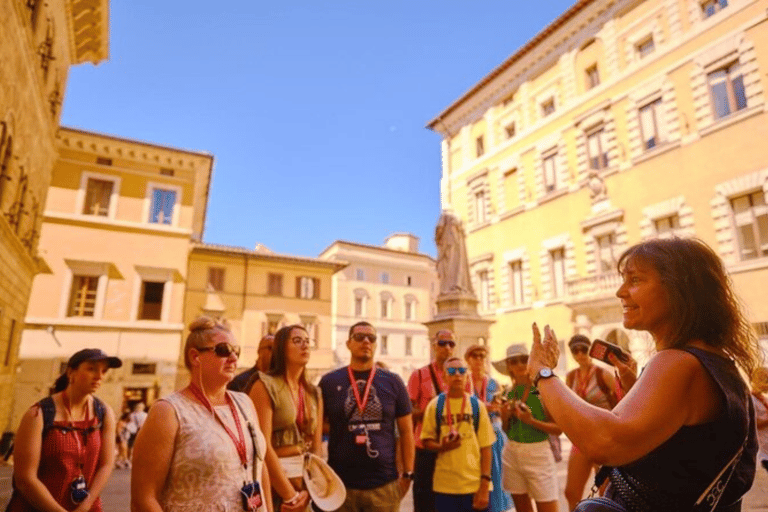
(48, 408)
(434, 379)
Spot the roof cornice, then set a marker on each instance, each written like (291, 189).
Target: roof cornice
(88, 22)
(287, 258)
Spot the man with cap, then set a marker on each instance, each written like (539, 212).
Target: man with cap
(363, 404)
(528, 464)
(244, 381)
(456, 427)
(425, 384)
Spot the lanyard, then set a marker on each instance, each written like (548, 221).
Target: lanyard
(298, 405)
(239, 442)
(361, 403)
(483, 393)
(448, 409)
(65, 401)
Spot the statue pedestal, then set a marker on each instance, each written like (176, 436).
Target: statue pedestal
(458, 313)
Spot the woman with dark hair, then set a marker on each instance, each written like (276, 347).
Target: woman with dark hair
(687, 425)
(200, 448)
(65, 445)
(289, 410)
(597, 387)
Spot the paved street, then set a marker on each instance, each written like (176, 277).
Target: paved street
(117, 494)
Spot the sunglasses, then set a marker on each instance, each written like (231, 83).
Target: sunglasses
(362, 336)
(453, 370)
(579, 350)
(518, 360)
(478, 355)
(446, 343)
(222, 349)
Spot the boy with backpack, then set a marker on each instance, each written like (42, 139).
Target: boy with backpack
(457, 427)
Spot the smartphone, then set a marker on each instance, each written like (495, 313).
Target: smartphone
(600, 350)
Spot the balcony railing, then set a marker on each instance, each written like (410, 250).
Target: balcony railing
(593, 287)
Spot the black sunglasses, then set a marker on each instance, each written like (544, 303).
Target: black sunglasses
(446, 343)
(362, 336)
(579, 350)
(518, 360)
(222, 349)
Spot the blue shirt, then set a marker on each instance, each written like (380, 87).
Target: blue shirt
(361, 448)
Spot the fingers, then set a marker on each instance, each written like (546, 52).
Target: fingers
(536, 334)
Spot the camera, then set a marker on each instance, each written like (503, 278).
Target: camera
(602, 349)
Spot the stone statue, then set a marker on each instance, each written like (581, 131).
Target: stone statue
(452, 263)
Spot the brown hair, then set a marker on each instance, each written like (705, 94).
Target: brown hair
(701, 297)
(278, 366)
(200, 331)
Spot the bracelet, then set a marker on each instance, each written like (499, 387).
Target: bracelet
(408, 474)
(486, 477)
(294, 499)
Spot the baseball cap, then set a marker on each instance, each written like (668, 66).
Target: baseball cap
(93, 354)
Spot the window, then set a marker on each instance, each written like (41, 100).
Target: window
(307, 287)
(166, 171)
(557, 270)
(384, 307)
(144, 368)
(750, 216)
(360, 274)
(479, 146)
(275, 284)
(509, 130)
(163, 203)
(384, 344)
(485, 290)
(359, 303)
(710, 7)
(597, 151)
(408, 281)
(649, 124)
(666, 226)
(645, 47)
(550, 172)
(310, 325)
(97, 197)
(216, 278)
(103, 160)
(605, 254)
(516, 284)
(408, 346)
(151, 305)
(511, 195)
(410, 309)
(82, 300)
(480, 216)
(384, 277)
(726, 86)
(273, 324)
(592, 76)
(548, 107)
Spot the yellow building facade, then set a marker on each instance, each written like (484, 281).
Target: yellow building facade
(258, 291)
(118, 225)
(620, 121)
(39, 42)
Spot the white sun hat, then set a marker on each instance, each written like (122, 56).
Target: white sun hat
(323, 484)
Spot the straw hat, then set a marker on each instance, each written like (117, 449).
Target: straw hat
(475, 348)
(323, 484)
(516, 349)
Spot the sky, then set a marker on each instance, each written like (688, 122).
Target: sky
(315, 111)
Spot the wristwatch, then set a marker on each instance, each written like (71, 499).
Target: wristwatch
(544, 373)
(408, 475)
(486, 477)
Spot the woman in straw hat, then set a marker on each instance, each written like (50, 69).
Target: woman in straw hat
(201, 448)
(528, 465)
(65, 445)
(486, 388)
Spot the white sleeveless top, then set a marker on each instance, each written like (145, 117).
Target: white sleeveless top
(205, 472)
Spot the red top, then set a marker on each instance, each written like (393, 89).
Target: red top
(59, 464)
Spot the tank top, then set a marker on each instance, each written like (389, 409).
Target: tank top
(205, 472)
(591, 392)
(284, 429)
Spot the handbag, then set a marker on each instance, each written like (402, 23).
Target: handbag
(706, 502)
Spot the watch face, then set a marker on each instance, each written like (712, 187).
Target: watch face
(545, 372)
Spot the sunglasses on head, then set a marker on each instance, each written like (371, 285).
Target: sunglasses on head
(579, 350)
(453, 370)
(222, 349)
(518, 360)
(362, 336)
(446, 343)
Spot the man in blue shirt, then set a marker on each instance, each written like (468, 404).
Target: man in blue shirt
(363, 404)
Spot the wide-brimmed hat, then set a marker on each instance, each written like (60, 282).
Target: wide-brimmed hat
(323, 484)
(475, 348)
(516, 349)
(93, 354)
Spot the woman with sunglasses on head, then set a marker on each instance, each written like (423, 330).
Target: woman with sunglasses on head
(485, 388)
(289, 409)
(201, 448)
(528, 465)
(596, 386)
(65, 445)
(687, 426)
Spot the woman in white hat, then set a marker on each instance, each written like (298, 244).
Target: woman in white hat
(528, 465)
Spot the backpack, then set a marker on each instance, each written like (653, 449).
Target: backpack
(48, 407)
(441, 405)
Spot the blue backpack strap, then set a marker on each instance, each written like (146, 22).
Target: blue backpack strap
(439, 412)
(99, 410)
(475, 411)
